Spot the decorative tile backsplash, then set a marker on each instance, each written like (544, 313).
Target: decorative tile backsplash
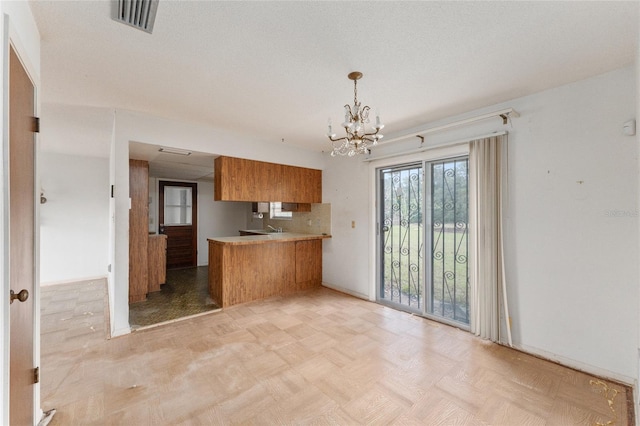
(317, 221)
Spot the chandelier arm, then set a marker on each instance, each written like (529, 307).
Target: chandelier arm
(348, 107)
(350, 134)
(339, 139)
(372, 134)
(364, 113)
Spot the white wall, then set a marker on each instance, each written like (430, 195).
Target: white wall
(571, 223)
(217, 219)
(74, 221)
(573, 233)
(345, 256)
(17, 27)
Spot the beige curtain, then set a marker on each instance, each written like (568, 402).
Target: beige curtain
(487, 281)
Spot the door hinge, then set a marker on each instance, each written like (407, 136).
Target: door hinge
(36, 124)
(36, 375)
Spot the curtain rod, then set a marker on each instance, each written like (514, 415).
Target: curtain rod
(430, 147)
(505, 114)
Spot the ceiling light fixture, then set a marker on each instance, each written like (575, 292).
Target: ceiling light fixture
(175, 151)
(358, 140)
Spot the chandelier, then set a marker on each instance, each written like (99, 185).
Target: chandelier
(357, 140)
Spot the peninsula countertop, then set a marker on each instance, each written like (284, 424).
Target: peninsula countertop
(267, 238)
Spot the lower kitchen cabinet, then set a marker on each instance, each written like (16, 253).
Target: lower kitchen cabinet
(157, 259)
(243, 272)
(309, 262)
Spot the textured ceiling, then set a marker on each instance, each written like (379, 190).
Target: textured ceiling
(278, 69)
(195, 166)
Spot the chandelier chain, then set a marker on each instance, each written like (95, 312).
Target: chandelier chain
(355, 92)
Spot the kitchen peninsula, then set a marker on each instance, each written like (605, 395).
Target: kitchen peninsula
(253, 267)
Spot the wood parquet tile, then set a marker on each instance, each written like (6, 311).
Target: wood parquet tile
(317, 358)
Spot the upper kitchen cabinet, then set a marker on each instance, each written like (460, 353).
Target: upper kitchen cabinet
(303, 185)
(237, 179)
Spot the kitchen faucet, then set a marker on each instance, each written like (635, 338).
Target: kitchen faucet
(275, 229)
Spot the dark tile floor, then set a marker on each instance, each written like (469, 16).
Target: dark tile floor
(185, 293)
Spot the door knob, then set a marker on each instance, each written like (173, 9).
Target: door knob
(22, 295)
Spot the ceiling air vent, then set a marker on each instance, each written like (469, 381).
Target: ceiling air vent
(140, 14)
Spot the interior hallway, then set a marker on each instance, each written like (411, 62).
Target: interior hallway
(320, 357)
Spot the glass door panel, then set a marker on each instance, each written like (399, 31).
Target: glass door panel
(177, 205)
(402, 237)
(448, 230)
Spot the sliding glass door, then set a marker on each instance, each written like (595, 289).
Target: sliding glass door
(423, 245)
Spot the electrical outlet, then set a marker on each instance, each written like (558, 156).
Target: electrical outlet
(510, 323)
(353, 223)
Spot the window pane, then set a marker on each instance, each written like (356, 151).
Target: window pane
(177, 205)
(275, 211)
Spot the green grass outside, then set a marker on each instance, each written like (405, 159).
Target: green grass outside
(407, 248)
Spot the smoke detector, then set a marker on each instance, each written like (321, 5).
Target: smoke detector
(140, 14)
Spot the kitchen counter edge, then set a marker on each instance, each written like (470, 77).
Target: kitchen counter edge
(269, 238)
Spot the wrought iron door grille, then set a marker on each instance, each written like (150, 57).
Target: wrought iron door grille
(449, 281)
(402, 236)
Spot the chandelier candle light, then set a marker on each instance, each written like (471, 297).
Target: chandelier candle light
(358, 140)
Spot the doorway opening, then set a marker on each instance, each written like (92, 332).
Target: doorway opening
(185, 291)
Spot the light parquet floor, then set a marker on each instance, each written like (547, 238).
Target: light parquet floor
(318, 357)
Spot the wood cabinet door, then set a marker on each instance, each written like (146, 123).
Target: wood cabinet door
(157, 260)
(220, 176)
(237, 179)
(138, 230)
(309, 261)
(303, 185)
(234, 179)
(313, 187)
(273, 182)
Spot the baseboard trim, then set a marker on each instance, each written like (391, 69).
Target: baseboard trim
(576, 365)
(120, 332)
(74, 281)
(347, 291)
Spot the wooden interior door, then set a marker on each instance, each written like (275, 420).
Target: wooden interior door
(178, 219)
(21, 242)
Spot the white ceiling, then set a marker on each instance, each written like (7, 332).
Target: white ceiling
(278, 69)
(195, 166)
